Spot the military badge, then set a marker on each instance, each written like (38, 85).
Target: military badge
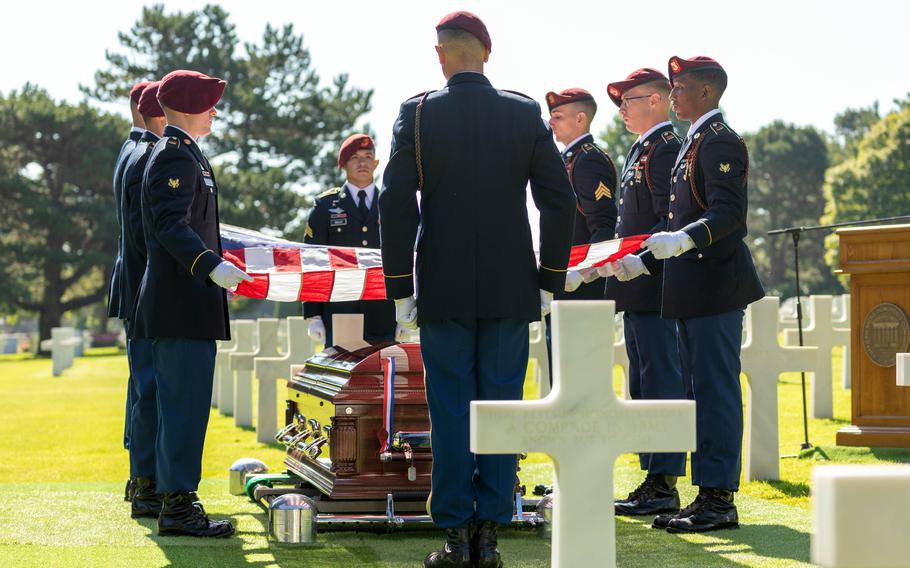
(173, 183)
(725, 168)
(674, 64)
(308, 232)
(602, 191)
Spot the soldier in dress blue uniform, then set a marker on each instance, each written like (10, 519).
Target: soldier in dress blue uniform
(182, 306)
(471, 149)
(593, 177)
(654, 369)
(113, 297)
(709, 279)
(143, 396)
(348, 216)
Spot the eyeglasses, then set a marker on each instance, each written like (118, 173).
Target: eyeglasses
(625, 101)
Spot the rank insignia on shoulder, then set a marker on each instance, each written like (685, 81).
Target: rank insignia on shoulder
(669, 136)
(328, 192)
(602, 191)
(587, 146)
(718, 127)
(725, 167)
(173, 183)
(308, 232)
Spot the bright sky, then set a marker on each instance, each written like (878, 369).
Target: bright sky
(801, 61)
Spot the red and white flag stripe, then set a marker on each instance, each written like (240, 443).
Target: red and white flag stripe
(284, 271)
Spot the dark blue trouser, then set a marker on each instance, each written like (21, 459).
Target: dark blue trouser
(465, 360)
(654, 374)
(183, 374)
(143, 413)
(709, 348)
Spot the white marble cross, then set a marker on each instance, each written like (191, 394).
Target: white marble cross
(763, 360)
(246, 341)
(621, 356)
(583, 426)
(63, 343)
(222, 354)
(241, 364)
(842, 333)
(270, 370)
(537, 350)
(821, 333)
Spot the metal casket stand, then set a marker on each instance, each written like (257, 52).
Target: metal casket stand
(292, 519)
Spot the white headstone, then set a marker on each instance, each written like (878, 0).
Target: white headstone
(621, 356)
(222, 354)
(821, 333)
(903, 369)
(537, 350)
(241, 364)
(347, 331)
(842, 331)
(860, 515)
(62, 344)
(245, 342)
(270, 370)
(763, 360)
(583, 426)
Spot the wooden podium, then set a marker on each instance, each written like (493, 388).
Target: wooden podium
(878, 261)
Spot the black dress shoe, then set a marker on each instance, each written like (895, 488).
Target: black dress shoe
(717, 512)
(663, 521)
(455, 554)
(128, 492)
(486, 555)
(181, 514)
(145, 502)
(656, 494)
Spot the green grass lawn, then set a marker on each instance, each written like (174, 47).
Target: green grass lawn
(62, 474)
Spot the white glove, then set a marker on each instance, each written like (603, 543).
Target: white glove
(546, 298)
(605, 270)
(573, 280)
(406, 312)
(589, 274)
(227, 275)
(401, 333)
(629, 267)
(667, 245)
(316, 330)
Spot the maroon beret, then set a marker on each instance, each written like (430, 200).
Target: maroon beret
(573, 95)
(191, 92)
(353, 143)
(636, 78)
(136, 91)
(679, 66)
(468, 22)
(148, 102)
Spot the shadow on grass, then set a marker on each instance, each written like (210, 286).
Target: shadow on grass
(752, 545)
(789, 488)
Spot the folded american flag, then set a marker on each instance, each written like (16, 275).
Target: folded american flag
(284, 271)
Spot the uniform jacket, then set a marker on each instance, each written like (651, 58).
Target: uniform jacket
(643, 206)
(336, 221)
(113, 297)
(479, 148)
(709, 202)
(177, 299)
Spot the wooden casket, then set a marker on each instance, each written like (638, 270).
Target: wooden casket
(335, 425)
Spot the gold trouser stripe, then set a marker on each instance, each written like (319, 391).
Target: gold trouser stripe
(193, 266)
(398, 275)
(553, 269)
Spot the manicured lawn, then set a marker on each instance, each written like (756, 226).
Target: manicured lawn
(63, 468)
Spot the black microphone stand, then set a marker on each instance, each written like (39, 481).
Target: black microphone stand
(795, 233)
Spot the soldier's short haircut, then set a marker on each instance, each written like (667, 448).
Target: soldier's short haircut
(661, 86)
(587, 107)
(717, 78)
(460, 41)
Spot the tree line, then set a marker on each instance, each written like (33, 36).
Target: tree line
(277, 133)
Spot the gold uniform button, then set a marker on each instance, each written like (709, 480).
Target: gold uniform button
(671, 214)
(673, 197)
(365, 243)
(365, 229)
